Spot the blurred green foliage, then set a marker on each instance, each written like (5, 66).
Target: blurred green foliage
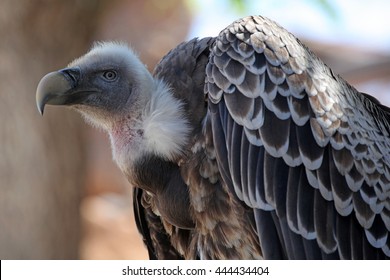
(242, 7)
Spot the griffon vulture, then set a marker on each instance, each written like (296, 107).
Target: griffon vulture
(242, 146)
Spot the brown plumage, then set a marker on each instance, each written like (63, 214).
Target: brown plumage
(241, 146)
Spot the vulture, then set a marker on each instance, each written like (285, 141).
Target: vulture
(241, 146)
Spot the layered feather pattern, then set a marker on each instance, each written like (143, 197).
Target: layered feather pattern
(301, 145)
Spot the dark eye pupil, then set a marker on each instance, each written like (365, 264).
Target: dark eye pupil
(109, 75)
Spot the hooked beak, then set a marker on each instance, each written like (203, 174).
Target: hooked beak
(56, 87)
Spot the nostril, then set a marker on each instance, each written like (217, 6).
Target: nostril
(72, 74)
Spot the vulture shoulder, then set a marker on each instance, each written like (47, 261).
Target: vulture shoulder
(298, 145)
(224, 229)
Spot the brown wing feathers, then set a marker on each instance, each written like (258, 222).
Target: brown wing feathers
(322, 147)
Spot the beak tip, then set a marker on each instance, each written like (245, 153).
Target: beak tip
(40, 102)
(41, 109)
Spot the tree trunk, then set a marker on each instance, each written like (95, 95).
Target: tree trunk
(41, 159)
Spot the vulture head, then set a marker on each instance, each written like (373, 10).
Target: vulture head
(98, 84)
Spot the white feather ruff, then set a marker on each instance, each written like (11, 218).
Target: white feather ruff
(166, 130)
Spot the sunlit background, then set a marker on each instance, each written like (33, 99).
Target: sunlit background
(61, 197)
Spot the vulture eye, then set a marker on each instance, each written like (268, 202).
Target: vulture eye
(109, 75)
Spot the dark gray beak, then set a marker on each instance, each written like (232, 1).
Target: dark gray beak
(55, 87)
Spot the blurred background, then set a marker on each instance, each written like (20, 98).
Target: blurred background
(61, 196)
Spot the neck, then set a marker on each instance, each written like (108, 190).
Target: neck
(158, 128)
